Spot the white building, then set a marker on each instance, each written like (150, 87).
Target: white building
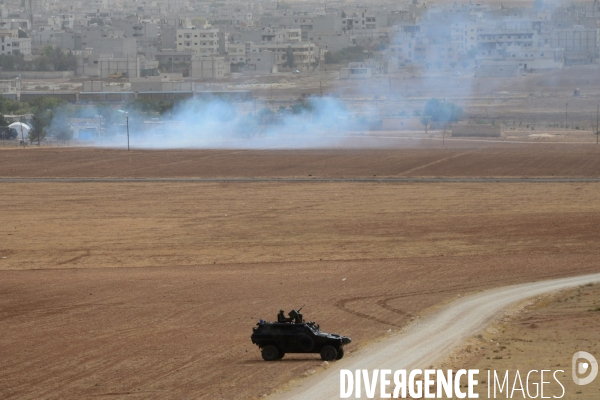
(305, 54)
(281, 35)
(12, 44)
(200, 41)
(464, 36)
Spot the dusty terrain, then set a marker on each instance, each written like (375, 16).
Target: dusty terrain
(430, 339)
(140, 290)
(410, 159)
(545, 333)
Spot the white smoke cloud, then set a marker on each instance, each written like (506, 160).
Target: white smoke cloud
(317, 122)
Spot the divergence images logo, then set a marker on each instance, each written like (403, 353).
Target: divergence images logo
(582, 367)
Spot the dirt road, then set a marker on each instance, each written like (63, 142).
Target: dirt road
(431, 338)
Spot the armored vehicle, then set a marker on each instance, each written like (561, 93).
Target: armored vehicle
(294, 335)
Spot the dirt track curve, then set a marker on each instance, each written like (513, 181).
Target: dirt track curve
(431, 338)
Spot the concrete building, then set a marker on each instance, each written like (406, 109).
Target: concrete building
(365, 19)
(12, 44)
(43, 35)
(281, 36)
(494, 41)
(236, 53)
(203, 41)
(209, 67)
(265, 61)
(464, 36)
(305, 54)
(357, 72)
(167, 57)
(332, 41)
(327, 23)
(128, 66)
(100, 41)
(104, 65)
(168, 37)
(67, 21)
(580, 44)
(120, 47)
(9, 88)
(528, 59)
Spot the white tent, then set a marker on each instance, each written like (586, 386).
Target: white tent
(21, 128)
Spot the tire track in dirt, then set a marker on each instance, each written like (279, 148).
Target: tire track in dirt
(432, 337)
(343, 304)
(76, 258)
(384, 304)
(437, 161)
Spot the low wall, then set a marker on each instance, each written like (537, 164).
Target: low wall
(36, 74)
(476, 130)
(10, 96)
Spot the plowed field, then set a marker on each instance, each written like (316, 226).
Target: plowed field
(427, 159)
(150, 290)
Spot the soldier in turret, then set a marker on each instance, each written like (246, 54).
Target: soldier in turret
(281, 317)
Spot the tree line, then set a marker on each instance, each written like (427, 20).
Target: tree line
(52, 59)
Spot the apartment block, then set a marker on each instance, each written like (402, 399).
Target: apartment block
(203, 41)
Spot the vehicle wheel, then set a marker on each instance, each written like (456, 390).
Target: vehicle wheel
(328, 353)
(270, 353)
(340, 354)
(305, 343)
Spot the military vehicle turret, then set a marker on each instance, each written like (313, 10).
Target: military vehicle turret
(294, 335)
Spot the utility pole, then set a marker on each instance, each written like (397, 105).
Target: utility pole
(444, 134)
(127, 123)
(30, 15)
(597, 131)
(566, 114)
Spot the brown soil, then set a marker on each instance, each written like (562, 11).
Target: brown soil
(543, 335)
(425, 158)
(150, 290)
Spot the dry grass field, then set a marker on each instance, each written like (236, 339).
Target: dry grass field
(150, 290)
